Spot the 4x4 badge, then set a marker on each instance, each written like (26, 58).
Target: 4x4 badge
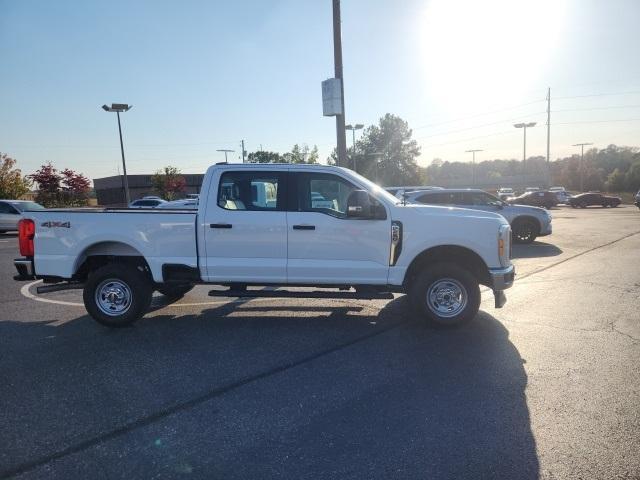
(56, 224)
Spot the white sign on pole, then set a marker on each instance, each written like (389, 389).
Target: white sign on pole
(332, 97)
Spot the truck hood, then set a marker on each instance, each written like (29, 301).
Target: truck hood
(456, 212)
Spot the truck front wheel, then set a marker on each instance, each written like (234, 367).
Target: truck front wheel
(116, 295)
(445, 294)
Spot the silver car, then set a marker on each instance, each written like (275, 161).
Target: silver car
(527, 223)
(11, 213)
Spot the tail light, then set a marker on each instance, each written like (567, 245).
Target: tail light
(26, 232)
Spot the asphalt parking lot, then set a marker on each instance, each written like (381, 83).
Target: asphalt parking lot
(547, 387)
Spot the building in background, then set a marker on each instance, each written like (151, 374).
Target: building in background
(109, 190)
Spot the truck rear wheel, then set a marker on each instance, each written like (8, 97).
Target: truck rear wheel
(445, 294)
(116, 295)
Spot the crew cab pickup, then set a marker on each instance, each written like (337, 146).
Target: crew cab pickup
(323, 228)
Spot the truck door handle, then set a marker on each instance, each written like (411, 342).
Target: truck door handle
(304, 227)
(220, 225)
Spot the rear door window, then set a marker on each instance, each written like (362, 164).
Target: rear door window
(252, 191)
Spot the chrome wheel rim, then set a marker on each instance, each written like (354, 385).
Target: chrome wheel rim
(524, 232)
(113, 297)
(447, 298)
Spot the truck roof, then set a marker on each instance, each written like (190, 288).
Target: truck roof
(277, 166)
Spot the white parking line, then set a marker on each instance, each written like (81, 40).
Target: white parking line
(26, 293)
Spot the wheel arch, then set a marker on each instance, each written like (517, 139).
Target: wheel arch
(461, 256)
(101, 253)
(527, 218)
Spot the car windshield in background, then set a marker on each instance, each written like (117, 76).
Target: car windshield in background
(24, 206)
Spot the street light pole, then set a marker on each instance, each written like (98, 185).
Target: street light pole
(121, 107)
(225, 150)
(473, 168)
(524, 154)
(581, 145)
(353, 128)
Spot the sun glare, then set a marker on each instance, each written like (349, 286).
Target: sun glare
(478, 53)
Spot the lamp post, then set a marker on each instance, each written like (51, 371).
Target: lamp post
(581, 145)
(353, 128)
(524, 154)
(225, 150)
(473, 168)
(121, 107)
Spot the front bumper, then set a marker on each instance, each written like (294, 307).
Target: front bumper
(501, 279)
(24, 266)
(546, 229)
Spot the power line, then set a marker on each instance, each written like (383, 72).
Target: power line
(479, 126)
(602, 121)
(634, 92)
(514, 107)
(595, 108)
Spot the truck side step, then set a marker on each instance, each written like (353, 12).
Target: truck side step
(370, 295)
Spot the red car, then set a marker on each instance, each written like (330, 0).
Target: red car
(588, 199)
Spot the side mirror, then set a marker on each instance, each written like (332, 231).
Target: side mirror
(359, 204)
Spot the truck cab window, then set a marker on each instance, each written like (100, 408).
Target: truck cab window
(254, 191)
(324, 193)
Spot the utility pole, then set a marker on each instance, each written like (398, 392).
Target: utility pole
(548, 134)
(473, 167)
(243, 150)
(581, 145)
(341, 139)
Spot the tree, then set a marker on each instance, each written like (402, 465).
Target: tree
(65, 189)
(387, 153)
(262, 156)
(616, 181)
(168, 182)
(12, 184)
(302, 154)
(76, 187)
(632, 178)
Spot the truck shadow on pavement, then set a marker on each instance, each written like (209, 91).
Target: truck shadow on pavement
(534, 250)
(262, 391)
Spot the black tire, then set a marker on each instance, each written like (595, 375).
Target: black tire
(129, 284)
(175, 291)
(524, 231)
(582, 205)
(448, 278)
(614, 205)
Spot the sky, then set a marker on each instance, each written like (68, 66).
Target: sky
(203, 75)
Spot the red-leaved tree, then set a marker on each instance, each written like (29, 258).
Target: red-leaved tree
(60, 189)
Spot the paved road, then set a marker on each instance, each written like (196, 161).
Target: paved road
(547, 387)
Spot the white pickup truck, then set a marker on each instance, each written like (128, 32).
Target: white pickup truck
(323, 228)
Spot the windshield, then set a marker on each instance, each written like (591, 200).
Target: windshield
(375, 188)
(22, 206)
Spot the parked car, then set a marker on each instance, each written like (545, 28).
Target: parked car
(504, 193)
(536, 198)
(637, 199)
(11, 212)
(527, 223)
(531, 189)
(360, 241)
(147, 202)
(561, 194)
(592, 198)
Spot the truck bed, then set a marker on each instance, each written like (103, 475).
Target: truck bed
(65, 237)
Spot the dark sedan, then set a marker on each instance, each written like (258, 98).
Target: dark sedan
(589, 199)
(536, 199)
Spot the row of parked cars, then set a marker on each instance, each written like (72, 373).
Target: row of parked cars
(558, 196)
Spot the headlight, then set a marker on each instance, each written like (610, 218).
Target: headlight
(504, 245)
